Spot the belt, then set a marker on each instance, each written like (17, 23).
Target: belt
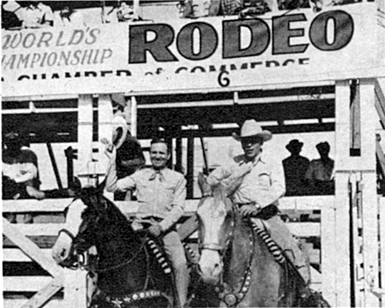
(152, 218)
(266, 213)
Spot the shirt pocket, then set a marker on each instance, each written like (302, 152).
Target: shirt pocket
(264, 181)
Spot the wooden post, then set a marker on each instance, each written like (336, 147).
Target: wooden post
(342, 234)
(328, 244)
(104, 129)
(178, 154)
(369, 192)
(190, 167)
(85, 133)
(75, 288)
(134, 116)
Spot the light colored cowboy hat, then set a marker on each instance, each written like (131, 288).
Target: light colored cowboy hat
(119, 130)
(251, 128)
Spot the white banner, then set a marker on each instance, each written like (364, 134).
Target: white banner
(201, 54)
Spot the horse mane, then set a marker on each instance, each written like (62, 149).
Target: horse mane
(106, 208)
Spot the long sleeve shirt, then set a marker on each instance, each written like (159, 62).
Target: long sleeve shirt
(160, 194)
(22, 168)
(263, 182)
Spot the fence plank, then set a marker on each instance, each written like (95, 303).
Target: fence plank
(41, 297)
(25, 283)
(38, 229)
(31, 249)
(58, 205)
(16, 255)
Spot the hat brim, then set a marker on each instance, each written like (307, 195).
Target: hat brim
(292, 146)
(265, 135)
(119, 132)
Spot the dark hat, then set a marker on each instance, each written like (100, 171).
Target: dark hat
(294, 144)
(323, 146)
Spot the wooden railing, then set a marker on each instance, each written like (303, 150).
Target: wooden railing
(27, 246)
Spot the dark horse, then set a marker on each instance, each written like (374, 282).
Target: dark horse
(237, 262)
(132, 268)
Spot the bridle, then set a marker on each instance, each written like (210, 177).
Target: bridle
(232, 295)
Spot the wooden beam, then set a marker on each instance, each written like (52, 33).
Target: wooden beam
(41, 297)
(57, 205)
(30, 249)
(85, 135)
(75, 286)
(369, 191)
(190, 167)
(342, 234)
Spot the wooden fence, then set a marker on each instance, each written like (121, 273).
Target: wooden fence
(32, 279)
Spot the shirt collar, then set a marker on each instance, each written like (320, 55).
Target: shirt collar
(257, 159)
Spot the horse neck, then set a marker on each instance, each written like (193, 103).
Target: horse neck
(123, 239)
(241, 249)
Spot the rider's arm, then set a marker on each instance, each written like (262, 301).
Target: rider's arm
(177, 205)
(112, 182)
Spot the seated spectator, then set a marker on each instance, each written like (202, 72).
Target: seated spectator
(198, 8)
(256, 7)
(9, 19)
(293, 4)
(35, 15)
(69, 17)
(124, 13)
(319, 174)
(295, 167)
(20, 176)
(20, 172)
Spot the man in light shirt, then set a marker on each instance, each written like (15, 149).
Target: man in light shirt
(161, 194)
(255, 183)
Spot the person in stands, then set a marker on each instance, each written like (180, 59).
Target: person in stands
(256, 183)
(320, 172)
(35, 15)
(295, 167)
(161, 195)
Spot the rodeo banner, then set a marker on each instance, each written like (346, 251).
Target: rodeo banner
(194, 54)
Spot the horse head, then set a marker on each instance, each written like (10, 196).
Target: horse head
(216, 222)
(82, 220)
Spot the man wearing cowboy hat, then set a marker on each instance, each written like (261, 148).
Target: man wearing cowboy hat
(255, 183)
(295, 167)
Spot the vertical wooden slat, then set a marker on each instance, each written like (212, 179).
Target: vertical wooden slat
(328, 236)
(369, 193)
(342, 235)
(85, 131)
(190, 167)
(104, 128)
(134, 116)
(381, 223)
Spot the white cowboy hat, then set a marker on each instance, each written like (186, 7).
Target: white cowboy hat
(251, 128)
(119, 130)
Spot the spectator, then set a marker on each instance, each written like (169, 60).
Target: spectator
(20, 175)
(295, 167)
(9, 18)
(36, 15)
(69, 17)
(124, 13)
(256, 7)
(319, 174)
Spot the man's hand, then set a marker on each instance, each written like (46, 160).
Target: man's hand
(155, 230)
(110, 150)
(249, 210)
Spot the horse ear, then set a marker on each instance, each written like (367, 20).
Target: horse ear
(203, 185)
(101, 186)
